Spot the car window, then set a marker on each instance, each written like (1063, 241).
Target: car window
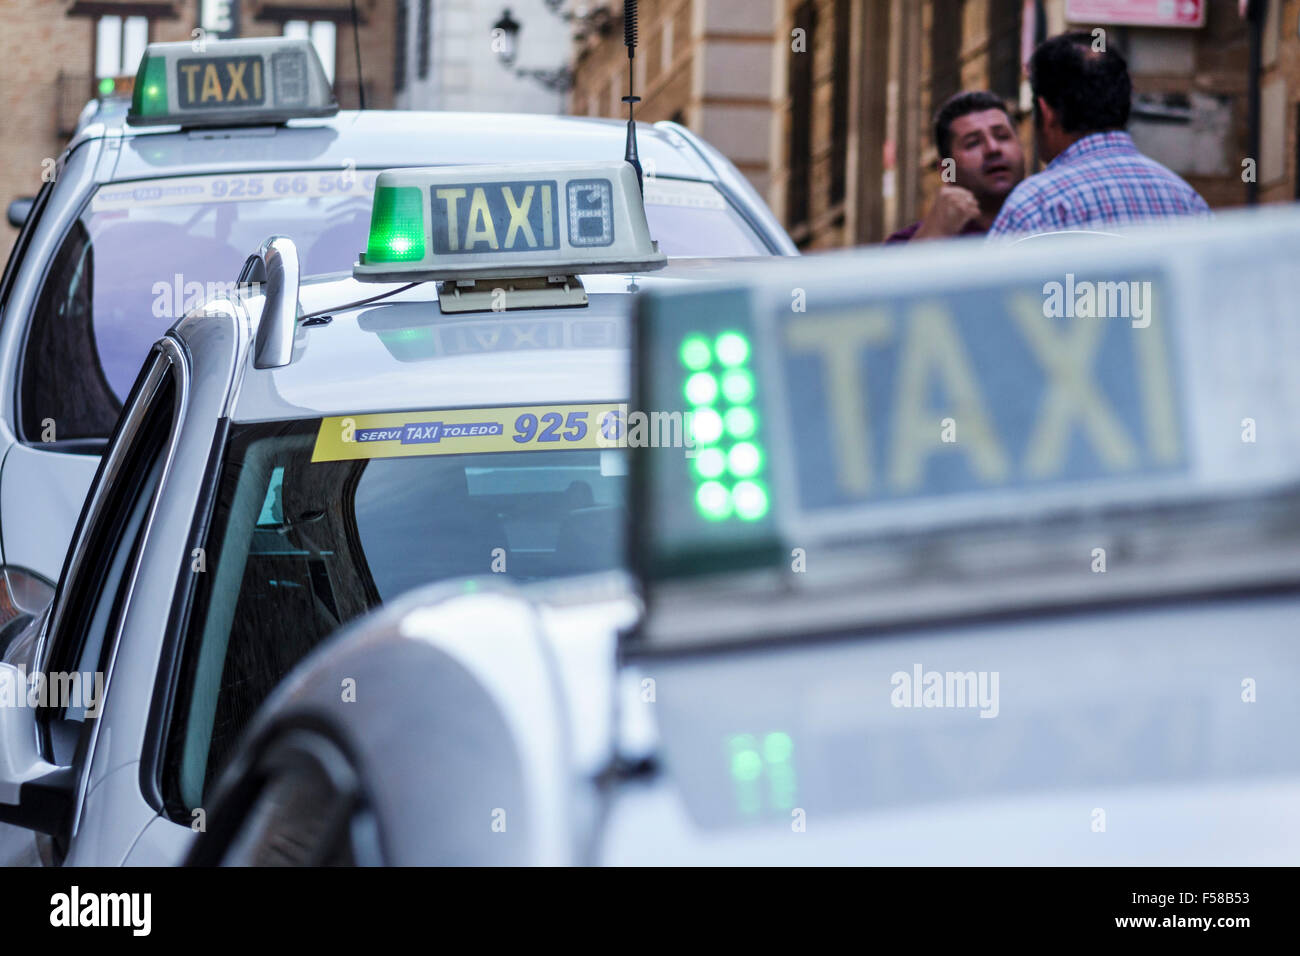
(92, 594)
(23, 240)
(144, 254)
(693, 220)
(298, 547)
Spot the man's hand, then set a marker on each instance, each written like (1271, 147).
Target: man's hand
(952, 209)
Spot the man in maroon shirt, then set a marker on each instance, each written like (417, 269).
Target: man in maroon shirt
(981, 162)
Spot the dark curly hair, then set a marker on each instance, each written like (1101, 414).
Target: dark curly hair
(963, 104)
(1089, 89)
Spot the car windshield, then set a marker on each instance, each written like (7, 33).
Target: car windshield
(145, 253)
(298, 547)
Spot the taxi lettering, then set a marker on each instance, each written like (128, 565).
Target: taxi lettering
(230, 81)
(462, 431)
(495, 217)
(1031, 399)
(433, 432)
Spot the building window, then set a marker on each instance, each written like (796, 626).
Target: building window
(843, 68)
(801, 114)
(423, 37)
(1004, 48)
(323, 35)
(400, 31)
(945, 51)
(119, 45)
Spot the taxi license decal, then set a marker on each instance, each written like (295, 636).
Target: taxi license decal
(497, 217)
(417, 343)
(682, 193)
(938, 396)
(468, 431)
(246, 187)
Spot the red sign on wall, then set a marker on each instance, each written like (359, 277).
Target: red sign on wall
(1138, 13)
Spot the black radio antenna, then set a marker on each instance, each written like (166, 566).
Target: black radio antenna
(629, 40)
(356, 47)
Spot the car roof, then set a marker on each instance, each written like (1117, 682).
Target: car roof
(404, 354)
(391, 138)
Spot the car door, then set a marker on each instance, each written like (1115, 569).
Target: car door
(44, 479)
(75, 653)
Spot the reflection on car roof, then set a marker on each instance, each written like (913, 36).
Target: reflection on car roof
(404, 353)
(391, 138)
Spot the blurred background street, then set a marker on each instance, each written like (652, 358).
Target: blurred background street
(825, 105)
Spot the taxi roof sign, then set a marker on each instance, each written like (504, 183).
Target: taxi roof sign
(515, 220)
(941, 443)
(230, 82)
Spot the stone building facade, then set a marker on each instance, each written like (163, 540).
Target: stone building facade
(708, 64)
(827, 104)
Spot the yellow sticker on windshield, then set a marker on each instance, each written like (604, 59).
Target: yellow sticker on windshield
(469, 431)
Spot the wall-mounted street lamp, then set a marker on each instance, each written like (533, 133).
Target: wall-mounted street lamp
(505, 35)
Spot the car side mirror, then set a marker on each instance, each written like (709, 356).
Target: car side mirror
(34, 793)
(19, 210)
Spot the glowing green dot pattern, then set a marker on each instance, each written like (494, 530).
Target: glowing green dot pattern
(701, 389)
(696, 353)
(710, 463)
(730, 461)
(765, 767)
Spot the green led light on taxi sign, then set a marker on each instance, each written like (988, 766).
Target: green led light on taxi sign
(746, 765)
(706, 426)
(107, 86)
(710, 463)
(738, 386)
(396, 225)
(732, 349)
(750, 500)
(696, 354)
(740, 422)
(713, 500)
(701, 389)
(777, 747)
(150, 95)
(744, 460)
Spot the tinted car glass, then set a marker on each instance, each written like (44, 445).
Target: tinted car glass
(297, 548)
(98, 577)
(144, 254)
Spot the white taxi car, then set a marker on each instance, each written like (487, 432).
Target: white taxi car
(998, 565)
(151, 213)
(299, 453)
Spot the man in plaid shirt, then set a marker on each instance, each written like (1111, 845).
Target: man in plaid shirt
(1096, 177)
